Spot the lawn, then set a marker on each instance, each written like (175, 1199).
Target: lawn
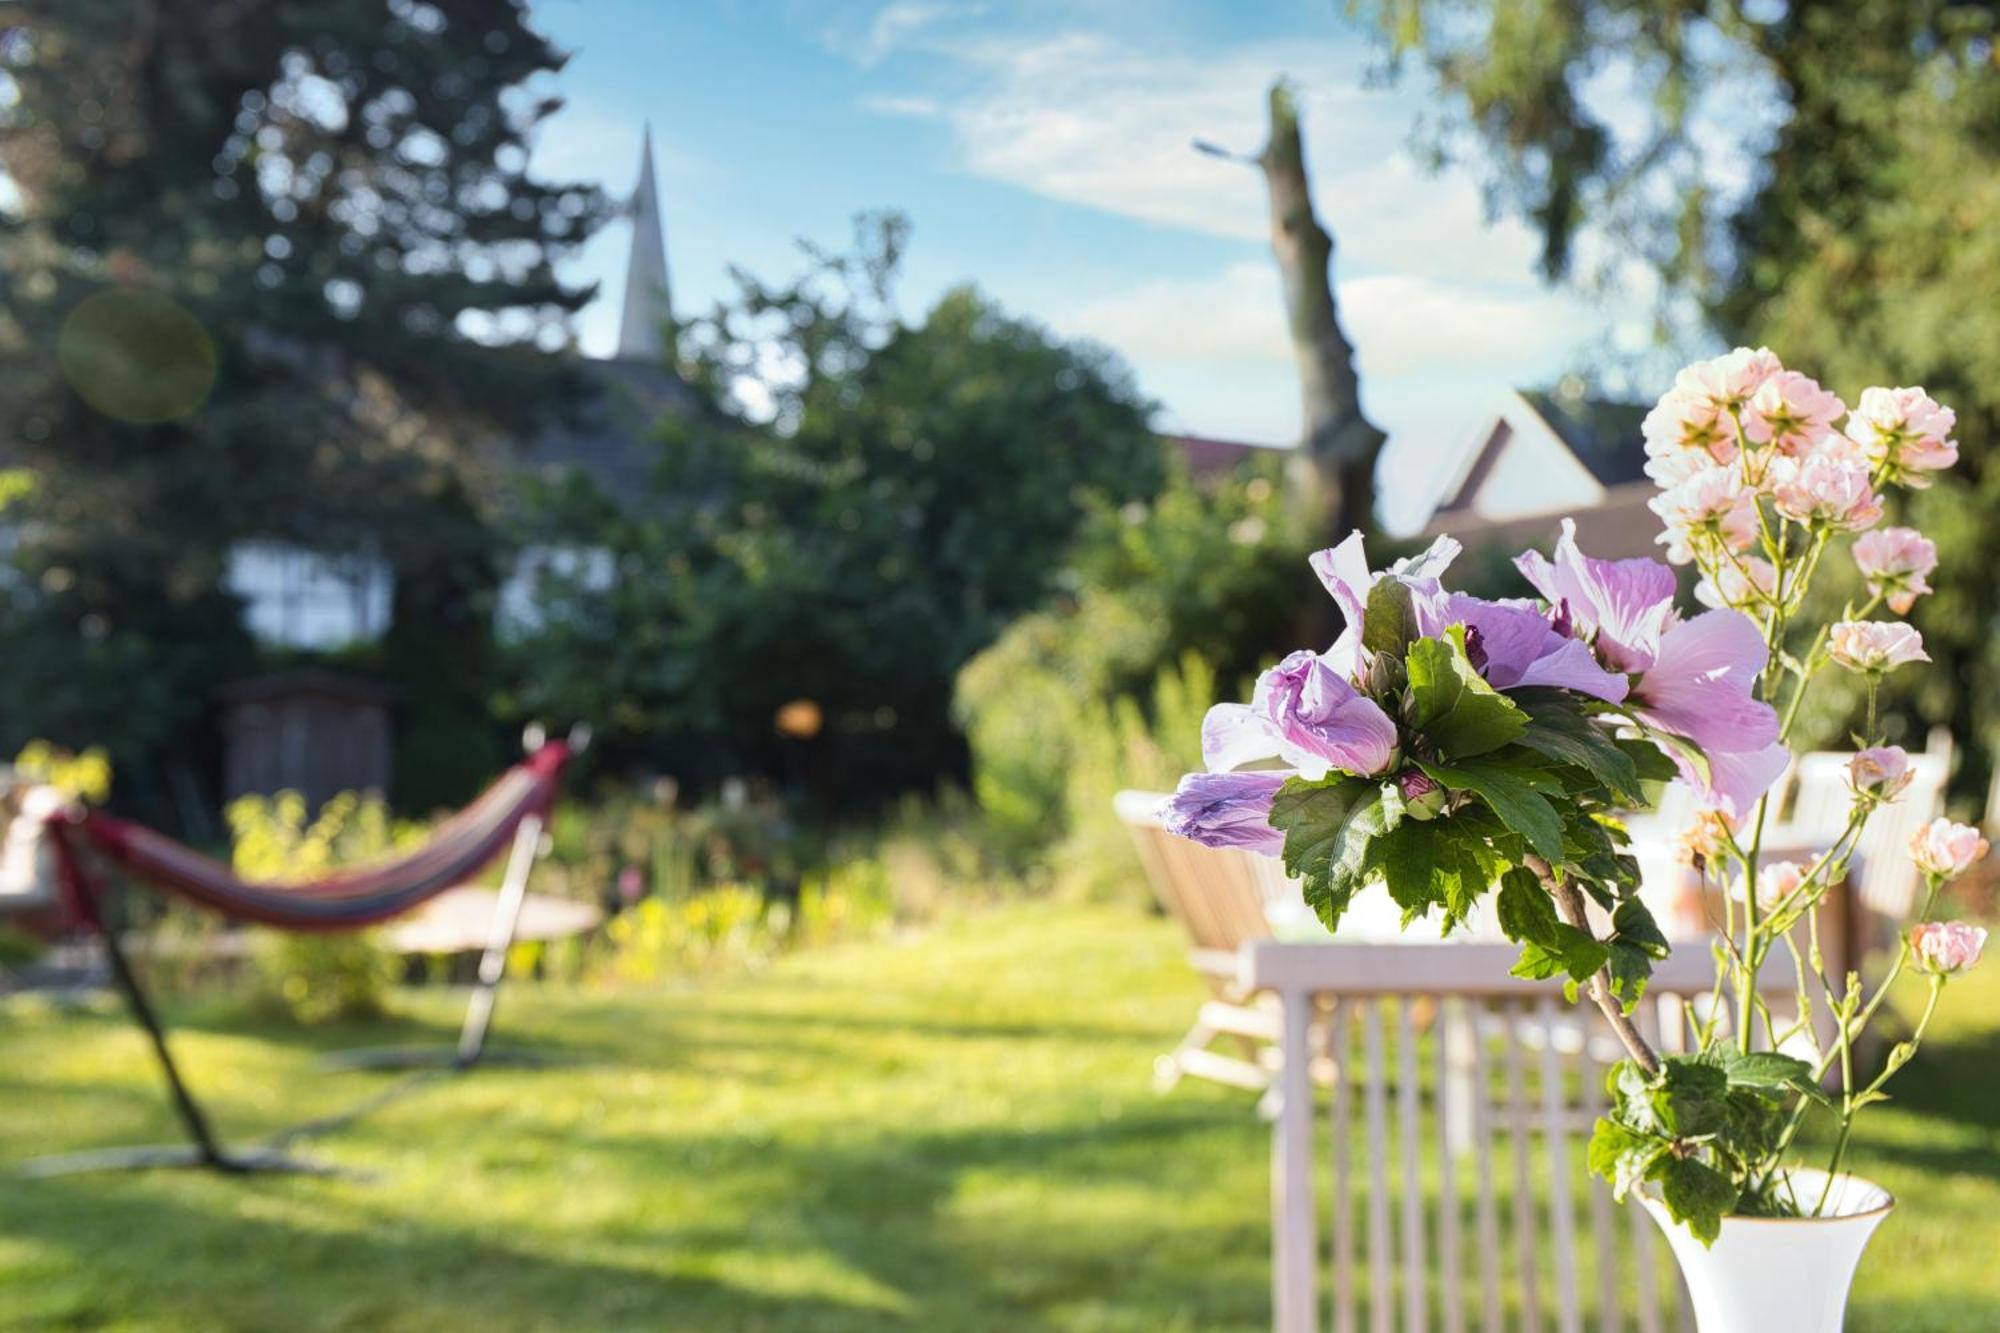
(951, 1130)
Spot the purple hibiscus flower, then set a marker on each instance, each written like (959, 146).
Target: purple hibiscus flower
(1227, 810)
(1307, 716)
(1692, 678)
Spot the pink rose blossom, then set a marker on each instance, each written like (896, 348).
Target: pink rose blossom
(1896, 562)
(1710, 506)
(1777, 882)
(1729, 380)
(1905, 433)
(1737, 584)
(1945, 849)
(1875, 645)
(1684, 433)
(1791, 413)
(1704, 838)
(1830, 492)
(1880, 771)
(1946, 948)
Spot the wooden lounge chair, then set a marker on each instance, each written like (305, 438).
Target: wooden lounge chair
(1219, 897)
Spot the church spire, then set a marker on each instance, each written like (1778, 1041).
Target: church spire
(648, 307)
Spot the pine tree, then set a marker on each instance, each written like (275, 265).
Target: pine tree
(267, 270)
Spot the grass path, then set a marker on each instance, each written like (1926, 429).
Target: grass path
(947, 1132)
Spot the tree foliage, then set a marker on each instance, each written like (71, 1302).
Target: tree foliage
(245, 252)
(1816, 177)
(860, 506)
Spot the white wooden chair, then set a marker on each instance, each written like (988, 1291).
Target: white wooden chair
(1528, 1241)
(1220, 897)
(1887, 879)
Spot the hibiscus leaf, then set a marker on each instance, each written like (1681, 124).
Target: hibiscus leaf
(1390, 622)
(1517, 804)
(1631, 969)
(1632, 924)
(1451, 706)
(1562, 731)
(1328, 826)
(1696, 1194)
(1623, 1155)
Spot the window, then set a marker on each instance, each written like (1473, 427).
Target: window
(522, 601)
(297, 598)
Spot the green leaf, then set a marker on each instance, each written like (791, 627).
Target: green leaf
(1328, 826)
(1559, 728)
(1768, 1071)
(1622, 1155)
(1696, 1195)
(1417, 863)
(1527, 913)
(1631, 969)
(1451, 706)
(1518, 805)
(1390, 622)
(1632, 924)
(1691, 1096)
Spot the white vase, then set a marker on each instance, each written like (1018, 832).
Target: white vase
(1765, 1274)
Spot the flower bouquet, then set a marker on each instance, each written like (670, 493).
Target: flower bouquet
(1448, 746)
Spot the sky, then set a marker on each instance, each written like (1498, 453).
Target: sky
(1042, 151)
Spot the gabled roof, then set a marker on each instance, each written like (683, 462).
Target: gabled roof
(1602, 432)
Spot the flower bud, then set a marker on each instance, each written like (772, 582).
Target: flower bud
(1422, 798)
(1880, 771)
(1875, 646)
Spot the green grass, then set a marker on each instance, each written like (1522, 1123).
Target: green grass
(952, 1131)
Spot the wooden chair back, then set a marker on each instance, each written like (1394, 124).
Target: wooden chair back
(1456, 1130)
(1820, 808)
(1218, 894)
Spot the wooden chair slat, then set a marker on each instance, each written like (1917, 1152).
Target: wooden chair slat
(1381, 1261)
(1450, 1021)
(1408, 1091)
(1562, 1199)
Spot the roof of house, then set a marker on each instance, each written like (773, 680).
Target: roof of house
(1210, 457)
(1602, 432)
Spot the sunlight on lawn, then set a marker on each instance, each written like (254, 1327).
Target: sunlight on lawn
(946, 1131)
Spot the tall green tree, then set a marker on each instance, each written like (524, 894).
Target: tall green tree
(267, 270)
(861, 505)
(1821, 177)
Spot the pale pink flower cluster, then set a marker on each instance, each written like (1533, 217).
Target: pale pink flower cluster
(1880, 771)
(1897, 563)
(1875, 646)
(1791, 413)
(1693, 425)
(1823, 490)
(1904, 434)
(1945, 849)
(1709, 506)
(1739, 583)
(1946, 948)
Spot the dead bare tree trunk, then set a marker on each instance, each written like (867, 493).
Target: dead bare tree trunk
(1341, 445)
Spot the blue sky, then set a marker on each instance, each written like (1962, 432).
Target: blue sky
(1041, 152)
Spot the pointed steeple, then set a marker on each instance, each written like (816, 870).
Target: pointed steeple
(648, 307)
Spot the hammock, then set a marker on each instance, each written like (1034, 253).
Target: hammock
(510, 812)
(343, 900)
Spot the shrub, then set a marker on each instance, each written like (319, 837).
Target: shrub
(1164, 602)
(316, 978)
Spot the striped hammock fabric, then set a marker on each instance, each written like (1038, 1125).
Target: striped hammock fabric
(346, 899)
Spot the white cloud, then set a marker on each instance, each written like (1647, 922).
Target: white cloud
(889, 29)
(1080, 118)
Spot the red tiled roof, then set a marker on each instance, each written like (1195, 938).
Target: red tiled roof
(1208, 457)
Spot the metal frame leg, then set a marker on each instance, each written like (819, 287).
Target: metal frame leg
(493, 963)
(471, 1046)
(202, 1149)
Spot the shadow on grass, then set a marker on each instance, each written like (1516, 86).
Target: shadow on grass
(401, 1275)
